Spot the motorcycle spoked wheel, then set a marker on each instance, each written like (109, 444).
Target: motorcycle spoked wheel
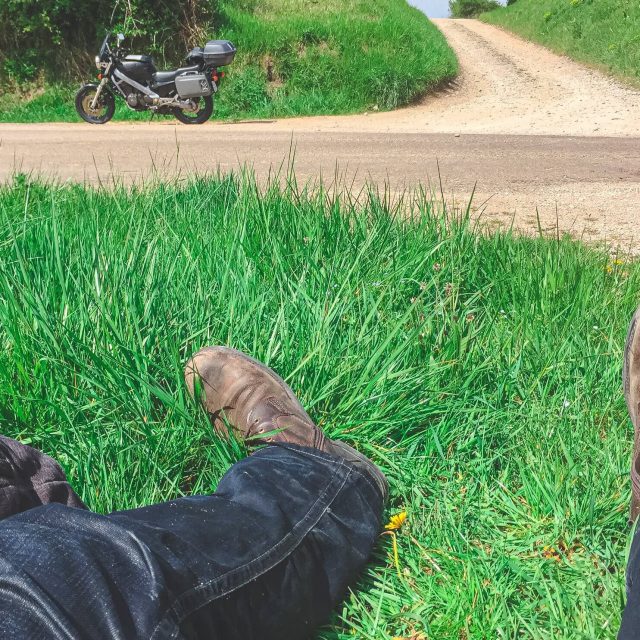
(202, 114)
(103, 111)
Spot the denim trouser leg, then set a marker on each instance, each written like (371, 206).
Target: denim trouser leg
(630, 629)
(29, 478)
(264, 558)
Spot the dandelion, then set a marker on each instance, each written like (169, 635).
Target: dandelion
(396, 521)
(394, 525)
(437, 266)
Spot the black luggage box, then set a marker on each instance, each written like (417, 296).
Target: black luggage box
(218, 53)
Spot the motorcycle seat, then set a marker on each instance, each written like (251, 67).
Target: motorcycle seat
(162, 77)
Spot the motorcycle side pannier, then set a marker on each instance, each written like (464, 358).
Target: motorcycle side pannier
(218, 53)
(193, 85)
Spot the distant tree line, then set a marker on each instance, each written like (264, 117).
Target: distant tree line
(43, 36)
(473, 8)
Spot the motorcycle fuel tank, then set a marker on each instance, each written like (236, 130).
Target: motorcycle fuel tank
(138, 68)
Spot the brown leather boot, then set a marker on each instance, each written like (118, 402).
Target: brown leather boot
(631, 382)
(260, 406)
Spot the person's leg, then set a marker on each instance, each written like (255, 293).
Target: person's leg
(630, 628)
(29, 478)
(266, 557)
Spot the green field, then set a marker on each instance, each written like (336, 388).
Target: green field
(482, 372)
(604, 33)
(297, 57)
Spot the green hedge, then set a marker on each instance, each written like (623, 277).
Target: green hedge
(471, 8)
(59, 37)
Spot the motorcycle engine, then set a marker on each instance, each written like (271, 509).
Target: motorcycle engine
(134, 100)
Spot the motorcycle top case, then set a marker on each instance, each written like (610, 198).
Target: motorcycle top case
(193, 85)
(219, 53)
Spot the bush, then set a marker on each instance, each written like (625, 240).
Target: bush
(471, 8)
(59, 36)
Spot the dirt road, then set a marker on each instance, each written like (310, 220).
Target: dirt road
(541, 136)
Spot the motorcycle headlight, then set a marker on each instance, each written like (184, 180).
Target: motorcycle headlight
(98, 65)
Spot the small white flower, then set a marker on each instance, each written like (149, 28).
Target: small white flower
(376, 284)
(566, 404)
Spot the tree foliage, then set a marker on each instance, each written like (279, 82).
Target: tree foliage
(36, 35)
(471, 8)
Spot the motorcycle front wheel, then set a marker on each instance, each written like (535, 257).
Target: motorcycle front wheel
(200, 115)
(104, 109)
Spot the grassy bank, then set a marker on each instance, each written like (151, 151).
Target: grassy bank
(300, 57)
(481, 372)
(605, 33)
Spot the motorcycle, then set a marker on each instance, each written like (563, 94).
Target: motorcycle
(186, 93)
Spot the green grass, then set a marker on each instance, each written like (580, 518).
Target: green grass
(301, 57)
(604, 33)
(482, 372)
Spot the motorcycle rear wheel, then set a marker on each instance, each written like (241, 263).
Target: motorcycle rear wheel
(204, 112)
(103, 111)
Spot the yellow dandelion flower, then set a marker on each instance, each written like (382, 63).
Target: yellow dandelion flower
(396, 521)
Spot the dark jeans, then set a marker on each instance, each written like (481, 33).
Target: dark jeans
(630, 629)
(268, 556)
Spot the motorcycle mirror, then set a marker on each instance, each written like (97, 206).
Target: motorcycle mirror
(120, 37)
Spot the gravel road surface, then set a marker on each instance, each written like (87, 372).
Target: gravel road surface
(540, 137)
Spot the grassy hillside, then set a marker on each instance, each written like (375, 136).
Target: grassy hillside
(302, 57)
(605, 33)
(481, 372)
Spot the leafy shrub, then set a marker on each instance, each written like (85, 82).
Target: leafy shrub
(59, 34)
(471, 8)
